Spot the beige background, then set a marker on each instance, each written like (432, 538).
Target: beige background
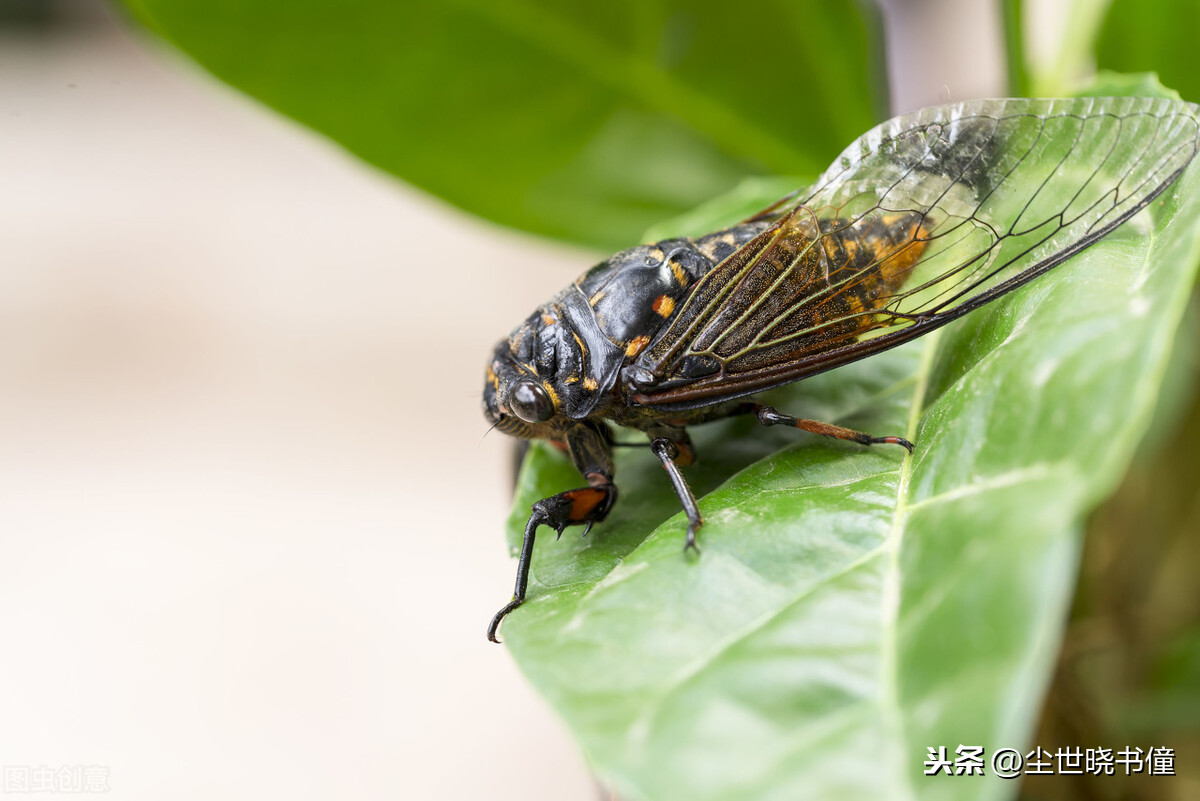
(250, 526)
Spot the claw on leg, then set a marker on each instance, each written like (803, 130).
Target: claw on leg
(495, 624)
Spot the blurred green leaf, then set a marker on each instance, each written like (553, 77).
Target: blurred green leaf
(744, 200)
(856, 604)
(1014, 47)
(1157, 35)
(1119, 84)
(582, 121)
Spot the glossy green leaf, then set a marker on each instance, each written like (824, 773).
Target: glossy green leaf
(853, 607)
(583, 121)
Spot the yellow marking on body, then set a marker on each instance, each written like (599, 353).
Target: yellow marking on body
(664, 305)
(594, 299)
(553, 395)
(548, 320)
(491, 376)
(896, 267)
(582, 347)
(590, 384)
(678, 272)
(571, 379)
(636, 345)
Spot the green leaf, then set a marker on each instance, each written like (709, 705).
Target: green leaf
(1139, 84)
(1014, 47)
(582, 121)
(1158, 35)
(852, 607)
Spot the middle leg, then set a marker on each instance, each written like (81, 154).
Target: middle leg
(675, 450)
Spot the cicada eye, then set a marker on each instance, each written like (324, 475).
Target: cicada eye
(530, 401)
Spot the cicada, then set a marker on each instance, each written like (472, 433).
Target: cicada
(919, 221)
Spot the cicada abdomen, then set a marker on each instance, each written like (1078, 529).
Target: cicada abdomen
(802, 281)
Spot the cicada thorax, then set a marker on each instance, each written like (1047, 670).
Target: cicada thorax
(635, 292)
(803, 280)
(575, 345)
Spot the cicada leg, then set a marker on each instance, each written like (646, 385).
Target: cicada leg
(583, 506)
(769, 416)
(673, 453)
(590, 451)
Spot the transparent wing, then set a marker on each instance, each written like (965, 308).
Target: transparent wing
(922, 219)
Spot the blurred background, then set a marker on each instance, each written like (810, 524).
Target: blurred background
(250, 525)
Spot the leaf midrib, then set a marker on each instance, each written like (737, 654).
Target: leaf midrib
(889, 700)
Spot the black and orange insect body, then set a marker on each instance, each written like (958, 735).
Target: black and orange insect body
(923, 219)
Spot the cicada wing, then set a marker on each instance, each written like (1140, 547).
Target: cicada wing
(922, 219)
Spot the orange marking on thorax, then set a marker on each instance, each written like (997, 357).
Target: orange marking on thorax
(664, 305)
(636, 345)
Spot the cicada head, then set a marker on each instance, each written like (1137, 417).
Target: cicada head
(515, 400)
(553, 370)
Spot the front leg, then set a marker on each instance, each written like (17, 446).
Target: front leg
(571, 508)
(590, 451)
